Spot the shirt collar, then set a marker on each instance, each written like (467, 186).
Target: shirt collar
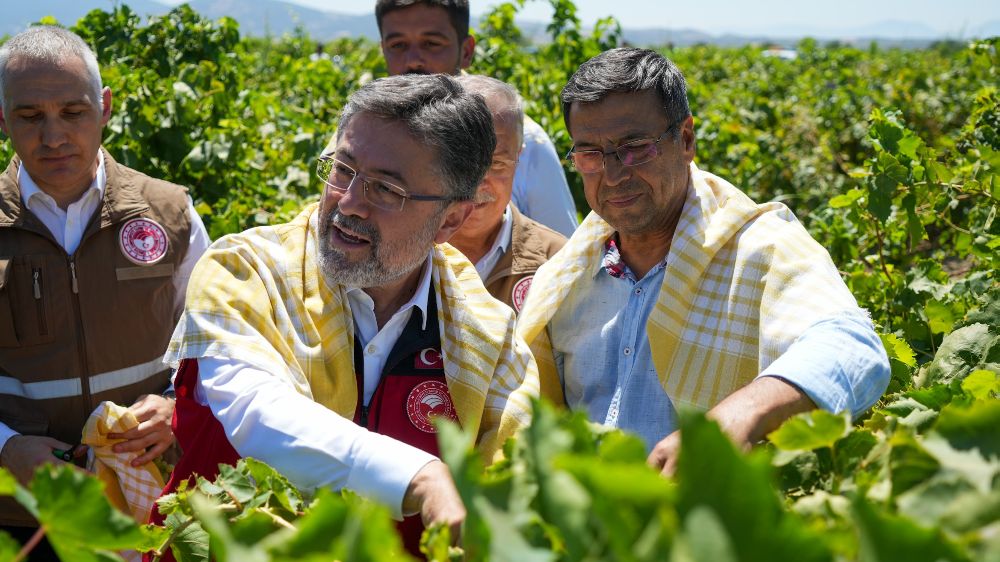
(418, 300)
(30, 189)
(502, 242)
(613, 265)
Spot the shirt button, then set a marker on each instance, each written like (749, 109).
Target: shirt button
(638, 290)
(628, 351)
(371, 349)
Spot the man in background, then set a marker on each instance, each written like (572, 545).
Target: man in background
(432, 36)
(506, 246)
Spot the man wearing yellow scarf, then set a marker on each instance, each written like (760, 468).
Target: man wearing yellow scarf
(678, 289)
(328, 346)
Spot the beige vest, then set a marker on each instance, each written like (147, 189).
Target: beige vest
(77, 330)
(531, 245)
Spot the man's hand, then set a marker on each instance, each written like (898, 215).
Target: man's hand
(153, 435)
(664, 455)
(746, 416)
(22, 454)
(433, 494)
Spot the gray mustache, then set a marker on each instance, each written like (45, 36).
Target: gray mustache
(354, 224)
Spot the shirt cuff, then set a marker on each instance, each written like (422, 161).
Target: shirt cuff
(384, 469)
(5, 434)
(839, 362)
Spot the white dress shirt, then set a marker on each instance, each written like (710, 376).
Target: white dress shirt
(265, 418)
(500, 244)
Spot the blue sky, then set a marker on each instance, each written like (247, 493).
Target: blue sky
(953, 18)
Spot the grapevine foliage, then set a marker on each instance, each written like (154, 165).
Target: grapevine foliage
(890, 159)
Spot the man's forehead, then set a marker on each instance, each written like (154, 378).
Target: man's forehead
(619, 115)
(373, 143)
(418, 19)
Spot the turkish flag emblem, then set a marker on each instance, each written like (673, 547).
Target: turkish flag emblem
(429, 358)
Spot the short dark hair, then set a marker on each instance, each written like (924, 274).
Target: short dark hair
(440, 114)
(458, 12)
(628, 69)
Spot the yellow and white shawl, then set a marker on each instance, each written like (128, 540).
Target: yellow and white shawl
(260, 296)
(742, 281)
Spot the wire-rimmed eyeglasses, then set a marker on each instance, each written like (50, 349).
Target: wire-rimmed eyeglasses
(380, 193)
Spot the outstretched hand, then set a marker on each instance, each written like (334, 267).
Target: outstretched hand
(432, 492)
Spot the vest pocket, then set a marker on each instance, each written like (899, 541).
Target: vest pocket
(26, 301)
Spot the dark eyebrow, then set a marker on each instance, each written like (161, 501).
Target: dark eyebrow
(422, 34)
(344, 154)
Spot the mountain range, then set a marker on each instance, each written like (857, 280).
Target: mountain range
(275, 17)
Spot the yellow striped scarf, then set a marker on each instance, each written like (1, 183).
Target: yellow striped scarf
(260, 296)
(742, 281)
(131, 489)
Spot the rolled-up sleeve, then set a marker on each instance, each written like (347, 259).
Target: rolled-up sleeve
(839, 362)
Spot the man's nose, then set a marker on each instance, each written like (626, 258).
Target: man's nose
(414, 60)
(53, 133)
(614, 171)
(352, 201)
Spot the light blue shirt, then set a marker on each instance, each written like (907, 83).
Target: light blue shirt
(540, 190)
(606, 367)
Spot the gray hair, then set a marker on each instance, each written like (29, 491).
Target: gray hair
(502, 99)
(53, 45)
(628, 70)
(440, 114)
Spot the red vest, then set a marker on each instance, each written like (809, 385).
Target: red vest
(412, 390)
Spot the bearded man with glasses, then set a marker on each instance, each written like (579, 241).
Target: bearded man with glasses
(328, 346)
(678, 289)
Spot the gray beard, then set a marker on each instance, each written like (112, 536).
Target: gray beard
(372, 271)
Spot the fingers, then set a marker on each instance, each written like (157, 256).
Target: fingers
(158, 449)
(664, 455)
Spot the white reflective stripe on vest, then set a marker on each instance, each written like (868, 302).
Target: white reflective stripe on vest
(64, 388)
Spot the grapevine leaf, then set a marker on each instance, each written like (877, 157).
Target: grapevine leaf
(8, 547)
(971, 427)
(811, 430)
(223, 546)
(8, 484)
(79, 519)
(512, 547)
(961, 352)
(909, 463)
(190, 544)
(982, 385)
(703, 538)
(711, 474)
(887, 538)
(939, 316)
(898, 349)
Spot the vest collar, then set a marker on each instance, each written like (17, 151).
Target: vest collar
(122, 196)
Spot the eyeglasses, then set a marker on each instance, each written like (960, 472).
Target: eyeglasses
(380, 193)
(631, 153)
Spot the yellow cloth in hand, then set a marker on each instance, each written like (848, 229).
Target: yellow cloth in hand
(131, 489)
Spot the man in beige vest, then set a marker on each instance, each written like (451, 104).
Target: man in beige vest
(506, 246)
(94, 262)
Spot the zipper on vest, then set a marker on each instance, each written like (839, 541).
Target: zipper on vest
(36, 282)
(72, 274)
(81, 335)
